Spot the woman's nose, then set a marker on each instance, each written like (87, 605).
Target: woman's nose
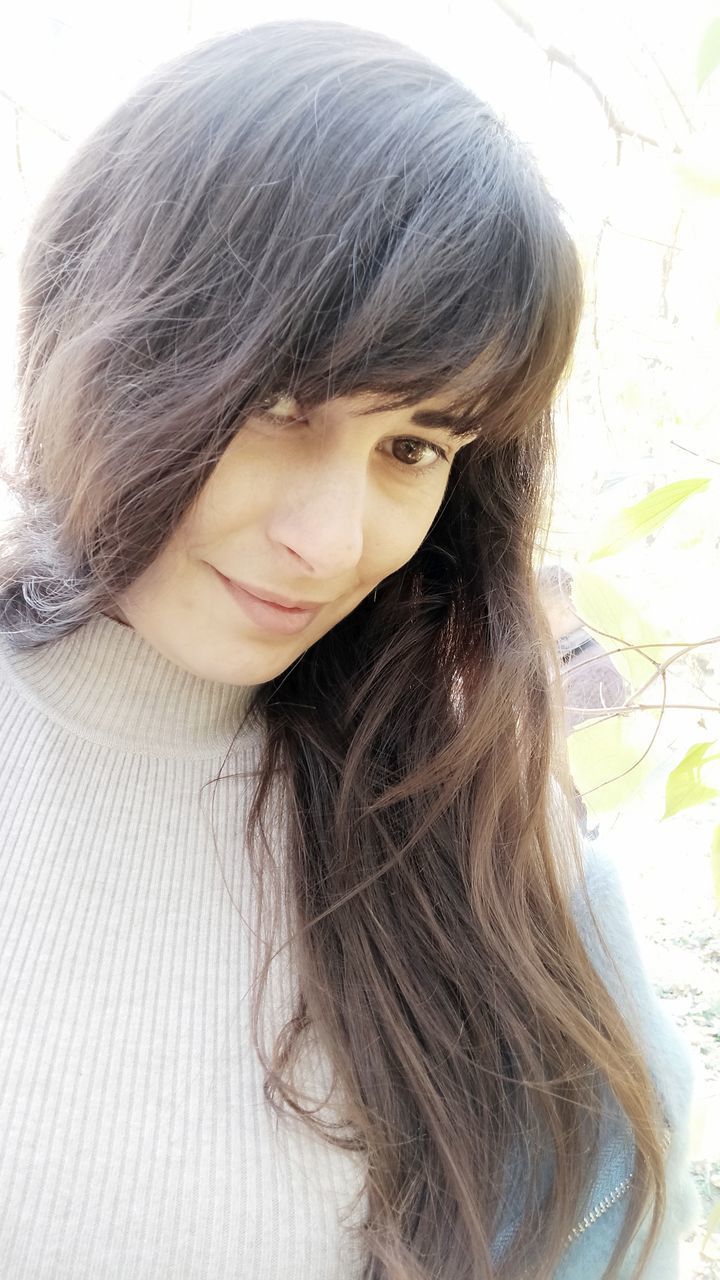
(322, 521)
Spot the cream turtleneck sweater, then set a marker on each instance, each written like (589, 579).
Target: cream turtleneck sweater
(135, 1140)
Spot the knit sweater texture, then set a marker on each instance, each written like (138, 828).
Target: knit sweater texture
(135, 1139)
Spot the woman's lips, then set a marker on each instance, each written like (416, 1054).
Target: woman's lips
(269, 617)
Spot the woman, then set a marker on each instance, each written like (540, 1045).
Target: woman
(292, 321)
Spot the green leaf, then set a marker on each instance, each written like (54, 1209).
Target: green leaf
(715, 865)
(692, 541)
(709, 52)
(607, 613)
(643, 517)
(684, 787)
(698, 176)
(606, 758)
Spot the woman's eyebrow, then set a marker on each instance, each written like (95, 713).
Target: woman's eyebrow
(433, 418)
(446, 421)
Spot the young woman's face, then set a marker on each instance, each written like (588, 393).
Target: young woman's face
(316, 509)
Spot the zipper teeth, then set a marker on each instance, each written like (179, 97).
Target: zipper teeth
(609, 1200)
(599, 1209)
(606, 1203)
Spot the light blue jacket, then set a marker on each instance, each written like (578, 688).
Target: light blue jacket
(671, 1064)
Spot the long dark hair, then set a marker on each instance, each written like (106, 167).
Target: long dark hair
(307, 208)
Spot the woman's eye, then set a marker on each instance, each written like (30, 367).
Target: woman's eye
(412, 451)
(407, 452)
(282, 420)
(282, 410)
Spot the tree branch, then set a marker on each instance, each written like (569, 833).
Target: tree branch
(21, 110)
(554, 54)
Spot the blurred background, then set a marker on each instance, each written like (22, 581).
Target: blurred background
(620, 104)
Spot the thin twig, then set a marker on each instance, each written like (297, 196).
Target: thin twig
(670, 88)
(638, 706)
(31, 116)
(695, 453)
(634, 648)
(18, 152)
(647, 750)
(619, 128)
(661, 669)
(635, 235)
(672, 706)
(667, 265)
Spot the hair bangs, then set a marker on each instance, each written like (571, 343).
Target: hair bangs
(419, 323)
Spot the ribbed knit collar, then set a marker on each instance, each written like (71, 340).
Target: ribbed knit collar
(107, 684)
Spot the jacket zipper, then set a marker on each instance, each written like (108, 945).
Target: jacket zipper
(608, 1201)
(599, 1209)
